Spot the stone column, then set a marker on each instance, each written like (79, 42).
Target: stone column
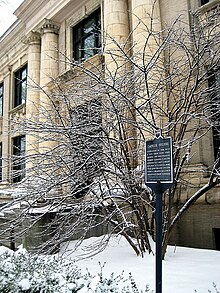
(49, 51)
(117, 50)
(5, 127)
(145, 18)
(117, 29)
(49, 71)
(33, 96)
(146, 23)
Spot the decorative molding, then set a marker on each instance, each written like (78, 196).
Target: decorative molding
(49, 26)
(9, 67)
(33, 38)
(17, 117)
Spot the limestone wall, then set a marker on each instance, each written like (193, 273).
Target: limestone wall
(199, 227)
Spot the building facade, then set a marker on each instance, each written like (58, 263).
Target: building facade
(39, 47)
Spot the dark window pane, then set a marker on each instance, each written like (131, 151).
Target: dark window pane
(217, 238)
(204, 2)
(1, 106)
(78, 52)
(87, 37)
(99, 41)
(0, 161)
(20, 90)
(18, 158)
(77, 33)
(214, 85)
(1, 98)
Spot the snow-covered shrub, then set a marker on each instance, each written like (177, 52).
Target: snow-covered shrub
(23, 272)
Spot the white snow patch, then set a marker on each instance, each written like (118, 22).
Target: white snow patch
(184, 269)
(3, 249)
(24, 284)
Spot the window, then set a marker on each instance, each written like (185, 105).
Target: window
(203, 2)
(214, 84)
(87, 37)
(18, 168)
(86, 151)
(0, 161)
(1, 98)
(20, 79)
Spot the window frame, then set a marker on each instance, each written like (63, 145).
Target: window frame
(19, 81)
(18, 161)
(1, 98)
(79, 36)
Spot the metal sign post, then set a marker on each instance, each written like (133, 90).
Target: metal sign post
(159, 177)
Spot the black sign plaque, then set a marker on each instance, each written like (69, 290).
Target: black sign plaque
(159, 161)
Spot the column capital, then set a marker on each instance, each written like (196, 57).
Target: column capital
(33, 38)
(49, 26)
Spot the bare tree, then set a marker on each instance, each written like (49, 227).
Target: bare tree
(89, 171)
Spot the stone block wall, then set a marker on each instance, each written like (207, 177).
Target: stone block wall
(199, 227)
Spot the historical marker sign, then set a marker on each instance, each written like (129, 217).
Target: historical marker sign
(159, 161)
(159, 177)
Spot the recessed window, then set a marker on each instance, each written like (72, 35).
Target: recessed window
(20, 80)
(87, 37)
(86, 150)
(214, 85)
(1, 98)
(18, 167)
(203, 2)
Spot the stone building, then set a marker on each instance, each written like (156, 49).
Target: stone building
(35, 49)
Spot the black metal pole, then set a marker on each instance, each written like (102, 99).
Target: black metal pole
(159, 238)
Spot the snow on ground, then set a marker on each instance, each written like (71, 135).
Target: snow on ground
(184, 269)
